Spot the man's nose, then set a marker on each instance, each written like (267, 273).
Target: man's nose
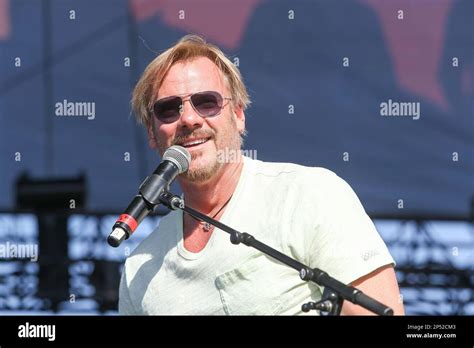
(189, 117)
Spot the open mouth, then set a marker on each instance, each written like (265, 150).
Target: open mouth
(189, 144)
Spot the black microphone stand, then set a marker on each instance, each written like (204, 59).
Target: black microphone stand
(335, 292)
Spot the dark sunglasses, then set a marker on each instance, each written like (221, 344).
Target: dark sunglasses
(206, 104)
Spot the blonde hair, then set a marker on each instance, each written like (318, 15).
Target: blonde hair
(189, 47)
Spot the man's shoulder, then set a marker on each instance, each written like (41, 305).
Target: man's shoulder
(303, 181)
(292, 171)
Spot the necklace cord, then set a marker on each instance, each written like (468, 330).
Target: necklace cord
(207, 226)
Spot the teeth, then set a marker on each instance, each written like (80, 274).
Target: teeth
(196, 142)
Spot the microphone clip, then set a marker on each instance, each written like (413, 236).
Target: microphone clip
(171, 201)
(330, 304)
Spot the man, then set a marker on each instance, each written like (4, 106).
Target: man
(192, 95)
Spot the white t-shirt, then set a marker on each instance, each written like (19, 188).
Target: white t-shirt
(307, 213)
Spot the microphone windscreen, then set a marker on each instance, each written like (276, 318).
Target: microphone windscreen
(179, 156)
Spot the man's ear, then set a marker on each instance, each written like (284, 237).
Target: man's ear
(151, 136)
(239, 118)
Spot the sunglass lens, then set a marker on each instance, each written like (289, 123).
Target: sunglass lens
(207, 103)
(167, 109)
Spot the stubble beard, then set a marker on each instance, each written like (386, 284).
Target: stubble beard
(201, 172)
(225, 138)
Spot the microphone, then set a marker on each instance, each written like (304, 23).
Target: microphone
(175, 161)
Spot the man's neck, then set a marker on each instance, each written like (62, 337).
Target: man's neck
(208, 195)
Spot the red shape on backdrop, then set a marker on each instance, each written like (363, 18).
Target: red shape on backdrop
(415, 43)
(4, 20)
(222, 22)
